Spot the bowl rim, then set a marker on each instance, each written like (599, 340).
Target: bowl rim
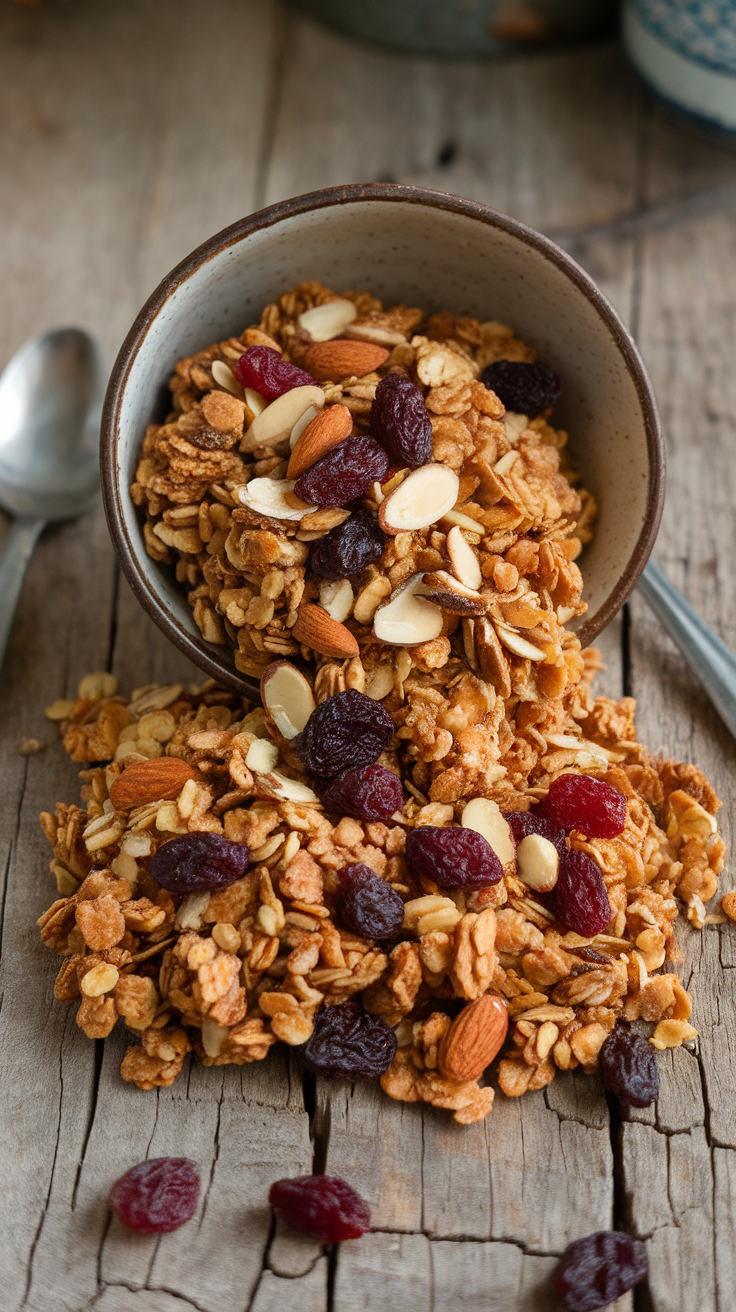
(196, 648)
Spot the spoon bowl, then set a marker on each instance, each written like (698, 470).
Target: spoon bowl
(49, 426)
(50, 405)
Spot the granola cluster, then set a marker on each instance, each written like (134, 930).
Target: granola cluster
(231, 972)
(247, 572)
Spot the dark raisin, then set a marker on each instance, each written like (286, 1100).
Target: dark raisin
(579, 900)
(345, 731)
(628, 1067)
(522, 823)
(591, 954)
(344, 473)
(401, 422)
(580, 801)
(263, 369)
(156, 1196)
(348, 1043)
(211, 439)
(525, 389)
(453, 857)
(367, 905)
(598, 1269)
(197, 861)
(322, 1206)
(369, 793)
(349, 548)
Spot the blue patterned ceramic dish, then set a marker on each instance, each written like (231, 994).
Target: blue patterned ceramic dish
(463, 28)
(686, 50)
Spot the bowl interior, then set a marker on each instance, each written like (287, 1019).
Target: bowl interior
(420, 253)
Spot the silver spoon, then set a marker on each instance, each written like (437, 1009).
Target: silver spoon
(708, 656)
(50, 396)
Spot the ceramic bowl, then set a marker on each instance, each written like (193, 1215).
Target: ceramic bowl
(686, 51)
(423, 248)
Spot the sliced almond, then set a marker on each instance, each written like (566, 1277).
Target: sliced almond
(270, 497)
(336, 598)
(315, 629)
(515, 643)
(450, 594)
(492, 664)
(373, 332)
(262, 756)
(327, 321)
(487, 819)
(537, 862)
(407, 618)
(301, 424)
(276, 422)
(287, 698)
(329, 427)
(379, 683)
(224, 377)
(424, 496)
(275, 784)
(463, 559)
(459, 520)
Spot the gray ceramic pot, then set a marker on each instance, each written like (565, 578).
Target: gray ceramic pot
(463, 28)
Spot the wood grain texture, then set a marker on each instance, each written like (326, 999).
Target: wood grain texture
(129, 133)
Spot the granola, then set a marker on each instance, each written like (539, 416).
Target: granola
(230, 973)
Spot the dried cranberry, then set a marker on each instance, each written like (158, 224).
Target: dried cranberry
(345, 731)
(401, 422)
(349, 548)
(348, 1043)
(598, 1269)
(197, 861)
(369, 793)
(579, 900)
(263, 369)
(367, 905)
(580, 801)
(344, 473)
(522, 823)
(453, 857)
(156, 1196)
(526, 389)
(628, 1066)
(322, 1206)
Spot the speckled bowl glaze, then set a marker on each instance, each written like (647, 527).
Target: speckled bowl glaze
(424, 248)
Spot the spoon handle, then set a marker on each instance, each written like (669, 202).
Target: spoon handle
(708, 656)
(18, 551)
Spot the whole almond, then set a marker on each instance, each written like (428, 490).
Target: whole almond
(157, 780)
(474, 1038)
(317, 630)
(340, 358)
(330, 427)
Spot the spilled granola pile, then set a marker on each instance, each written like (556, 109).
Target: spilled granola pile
(431, 845)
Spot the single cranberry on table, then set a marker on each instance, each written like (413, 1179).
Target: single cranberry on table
(598, 1269)
(400, 420)
(525, 389)
(158, 1195)
(344, 473)
(367, 905)
(348, 1043)
(628, 1067)
(345, 731)
(266, 372)
(453, 857)
(348, 548)
(194, 862)
(370, 792)
(582, 802)
(325, 1207)
(579, 901)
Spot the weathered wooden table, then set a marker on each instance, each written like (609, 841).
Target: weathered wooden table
(129, 132)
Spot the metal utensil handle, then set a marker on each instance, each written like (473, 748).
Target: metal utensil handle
(708, 656)
(18, 551)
